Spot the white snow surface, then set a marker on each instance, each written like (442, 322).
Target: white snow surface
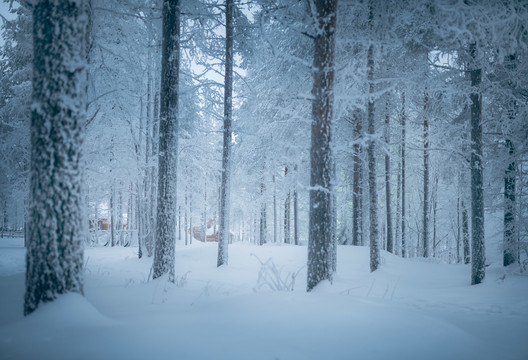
(409, 309)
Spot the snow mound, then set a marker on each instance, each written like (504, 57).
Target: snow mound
(68, 310)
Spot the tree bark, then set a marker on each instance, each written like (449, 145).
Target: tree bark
(287, 201)
(465, 234)
(56, 229)
(321, 244)
(390, 242)
(295, 211)
(403, 218)
(168, 142)
(510, 243)
(223, 232)
(263, 222)
(373, 195)
(425, 234)
(356, 181)
(478, 255)
(274, 211)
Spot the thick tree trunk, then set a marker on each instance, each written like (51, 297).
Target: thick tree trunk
(425, 233)
(54, 257)
(223, 233)
(168, 142)
(510, 243)
(478, 250)
(321, 245)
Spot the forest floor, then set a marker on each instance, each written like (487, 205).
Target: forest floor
(408, 309)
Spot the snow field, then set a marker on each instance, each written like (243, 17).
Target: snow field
(409, 309)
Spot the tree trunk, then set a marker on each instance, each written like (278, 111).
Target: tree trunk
(168, 142)
(223, 233)
(510, 243)
(390, 244)
(263, 227)
(139, 221)
(148, 201)
(112, 215)
(204, 215)
(287, 201)
(397, 236)
(425, 234)
(465, 234)
(321, 245)
(458, 240)
(435, 207)
(295, 211)
(179, 223)
(54, 257)
(356, 181)
(191, 235)
(478, 255)
(274, 210)
(373, 196)
(403, 219)
(185, 217)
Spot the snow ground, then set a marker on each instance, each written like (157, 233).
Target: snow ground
(409, 309)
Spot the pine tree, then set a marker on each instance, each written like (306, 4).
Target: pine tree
(321, 243)
(54, 257)
(168, 142)
(478, 256)
(373, 195)
(390, 240)
(223, 231)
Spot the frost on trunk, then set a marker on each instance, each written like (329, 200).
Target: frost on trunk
(168, 143)
(287, 202)
(295, 212)
(402, 161)
(223, 231)
(356, 182)
(321, 243)
(510, 243)
(390, 241)
(478, 256)
(263, 223)
(54, 256)
(426, 181)
(465, 234)
(373, 196)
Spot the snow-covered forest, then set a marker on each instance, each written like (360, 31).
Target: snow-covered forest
(264, 179)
